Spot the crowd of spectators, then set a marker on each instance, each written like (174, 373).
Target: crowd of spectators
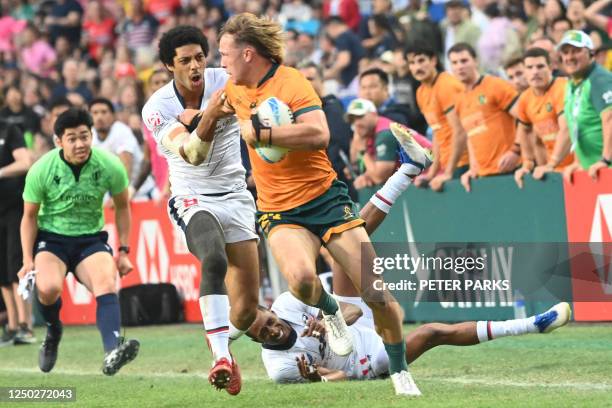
(420, 63)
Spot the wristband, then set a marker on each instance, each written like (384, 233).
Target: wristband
(125, 249)
(258, 127)
(606, 161)
(516, 148)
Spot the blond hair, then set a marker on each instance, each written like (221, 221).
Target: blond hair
(265, 35)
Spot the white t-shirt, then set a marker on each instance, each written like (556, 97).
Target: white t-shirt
(121, 139)
(222, 171)
(367, 361)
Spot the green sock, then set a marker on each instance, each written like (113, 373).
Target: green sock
(397, 357)
(327, 303)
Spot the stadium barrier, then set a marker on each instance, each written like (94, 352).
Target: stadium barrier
(495, 211)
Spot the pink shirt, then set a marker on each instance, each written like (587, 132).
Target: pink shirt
(35, 57)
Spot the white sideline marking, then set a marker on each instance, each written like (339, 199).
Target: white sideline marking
(457, 380)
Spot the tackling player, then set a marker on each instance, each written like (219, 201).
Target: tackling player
(301, 204)
(61, 231)
(209, 202)
(294, 342)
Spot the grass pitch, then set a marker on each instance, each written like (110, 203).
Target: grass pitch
(567, 368)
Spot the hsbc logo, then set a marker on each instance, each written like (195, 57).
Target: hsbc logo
(152, 254)
(601, 232)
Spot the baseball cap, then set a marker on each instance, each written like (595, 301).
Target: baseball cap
(576, 38)
(359, 107)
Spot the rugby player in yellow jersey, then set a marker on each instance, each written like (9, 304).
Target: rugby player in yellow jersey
(541, 108)
(301, 205)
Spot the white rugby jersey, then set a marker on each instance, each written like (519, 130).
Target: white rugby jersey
(222, 171)
(280, 363)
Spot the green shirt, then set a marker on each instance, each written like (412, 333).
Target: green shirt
(584, 103)
(70, 197)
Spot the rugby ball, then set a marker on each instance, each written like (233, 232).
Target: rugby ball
(273, 112)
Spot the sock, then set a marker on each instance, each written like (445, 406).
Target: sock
(51, 314)
(395, 185)
(327, 303)
(215, 316)
(108, 320)
(234, 332)
(397, 357)
(490, 330)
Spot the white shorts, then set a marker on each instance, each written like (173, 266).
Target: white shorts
(235, 213)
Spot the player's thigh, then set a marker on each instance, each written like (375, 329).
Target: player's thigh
(350, 248)
(295, 251)
(98, 273)
(50, 274)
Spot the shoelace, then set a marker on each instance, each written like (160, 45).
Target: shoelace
(335, 326)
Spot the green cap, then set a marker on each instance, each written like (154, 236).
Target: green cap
(576, 38)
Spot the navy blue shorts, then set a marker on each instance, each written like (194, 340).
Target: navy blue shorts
(72, 250)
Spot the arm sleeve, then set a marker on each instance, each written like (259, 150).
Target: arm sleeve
(301, 97)
(155, 120)
(447, 94)
(119, 178)
(505, 94)
(601, 92)
(522, 109)
(33, 191)
(386, 146)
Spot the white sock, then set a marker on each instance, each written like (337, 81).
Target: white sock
(490, 330)
(215, 316)
(234, 332)
(395, 185)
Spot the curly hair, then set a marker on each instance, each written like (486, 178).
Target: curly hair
(265, 35)
(177, 37)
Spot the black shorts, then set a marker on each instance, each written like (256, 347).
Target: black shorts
(72, 250)
(10, 245)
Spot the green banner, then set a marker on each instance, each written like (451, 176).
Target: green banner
(496, 211)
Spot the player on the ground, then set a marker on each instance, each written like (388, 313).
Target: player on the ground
(61, 231)
(209, 200)
(294, 341)
(301, 204)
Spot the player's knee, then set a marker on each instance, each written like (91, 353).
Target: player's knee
(48, 293)
(243, 313)
(431, 332)
(303, 283)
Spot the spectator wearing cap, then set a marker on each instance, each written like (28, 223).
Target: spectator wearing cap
(374, 86)
(588, 105)
(373, 148)
(457, 27)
